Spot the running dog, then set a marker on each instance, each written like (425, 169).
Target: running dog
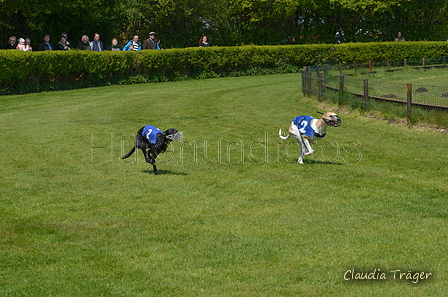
(152, 142)
(307, 129)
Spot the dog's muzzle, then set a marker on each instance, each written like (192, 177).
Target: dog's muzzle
(175, 136)
(335, 122)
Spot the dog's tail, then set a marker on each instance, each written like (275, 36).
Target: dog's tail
(281, 136)
(129, 154)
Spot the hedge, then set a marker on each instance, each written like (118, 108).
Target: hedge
(24, 72)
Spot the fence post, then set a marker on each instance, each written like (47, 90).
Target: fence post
(424, 62)
(341, 88)
(320, 86)
(370, 66)
(409, 99)
(405, 62)
(304, 79)
(366, 94)
(310, 77)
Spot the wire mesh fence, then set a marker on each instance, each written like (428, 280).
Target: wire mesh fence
(344, 85)
(436, 96)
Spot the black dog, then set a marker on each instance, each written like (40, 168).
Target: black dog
(152, 142)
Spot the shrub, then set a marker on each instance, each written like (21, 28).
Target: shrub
(49, 70)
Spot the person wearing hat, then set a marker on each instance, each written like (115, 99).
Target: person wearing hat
(65, 35)
(152, 42)
(21, 45)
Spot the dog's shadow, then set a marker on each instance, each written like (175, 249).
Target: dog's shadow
(162, 172)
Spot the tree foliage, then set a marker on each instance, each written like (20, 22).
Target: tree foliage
(180, 23)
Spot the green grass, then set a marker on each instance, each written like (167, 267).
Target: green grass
(248, 221)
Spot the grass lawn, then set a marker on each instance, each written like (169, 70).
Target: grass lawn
(231, 213)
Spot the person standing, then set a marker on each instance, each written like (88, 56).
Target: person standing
(96, 44)
(136, 45)
(62, 45)
(114, 46)
(84, 44)
(203, 42)
(46, 45)
(399, 38)
(28, 45)
(152, 42)
(12, 43)
(21, 45)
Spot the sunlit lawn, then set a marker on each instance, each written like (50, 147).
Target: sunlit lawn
(231, 213)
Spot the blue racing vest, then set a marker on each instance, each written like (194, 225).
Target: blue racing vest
(303, 123)
(150, 133)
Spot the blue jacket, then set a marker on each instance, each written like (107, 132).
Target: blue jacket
(127, 46)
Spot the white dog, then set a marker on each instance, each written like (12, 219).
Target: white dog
(307, 129)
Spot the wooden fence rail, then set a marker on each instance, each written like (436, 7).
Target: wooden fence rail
(320, 89)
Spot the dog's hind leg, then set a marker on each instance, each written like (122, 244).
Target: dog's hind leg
(155, 169)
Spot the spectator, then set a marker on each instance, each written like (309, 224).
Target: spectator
(12, 43)
(84, 44)
(152, 42)
(203, 42)
(136, 45)
(63, 45)
(399, 38)
(96, 44)
(21, 45)
(65, 35)
(114, 46)
(46, 45)
(28, 45)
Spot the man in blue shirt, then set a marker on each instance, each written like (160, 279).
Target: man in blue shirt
(46, 46)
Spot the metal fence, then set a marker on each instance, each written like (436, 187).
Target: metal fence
(423, 95)
(342, 85)
(333, 81)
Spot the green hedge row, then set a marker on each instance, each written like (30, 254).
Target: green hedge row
(24, 72)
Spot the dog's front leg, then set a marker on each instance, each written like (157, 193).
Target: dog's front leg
(155, 169)
(305, 147)
(148, 157)
(150, 154)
